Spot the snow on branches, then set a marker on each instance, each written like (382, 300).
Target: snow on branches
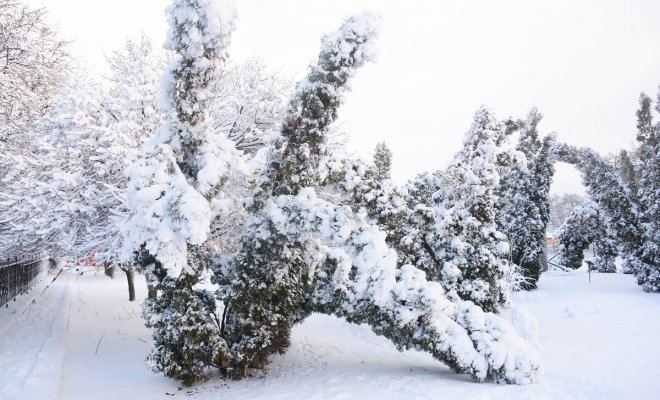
(175, 189)
(623, 215)
(472, 250)
(587, 225)
(524, 210)
(305, 254)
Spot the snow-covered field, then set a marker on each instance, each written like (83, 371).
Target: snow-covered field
(81, 339)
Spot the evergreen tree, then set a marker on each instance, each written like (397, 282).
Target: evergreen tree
(473, 251)
(648, 137)
(422, 195)
(305, 254)
(174, 191)
(382, 161)
(526, 211)
(271, 269)
(613, 199)
(585, 226)
(606, 253)
(628, 173)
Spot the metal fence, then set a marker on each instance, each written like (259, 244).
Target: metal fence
(18, 274)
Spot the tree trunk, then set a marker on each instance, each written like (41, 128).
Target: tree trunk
(543, 257)
(109, 270)
(131, 283)
(152, 292)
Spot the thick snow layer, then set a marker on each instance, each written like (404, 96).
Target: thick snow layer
(598, 341)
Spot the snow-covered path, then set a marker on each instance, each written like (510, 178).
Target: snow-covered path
(599, 340)
(32, 342)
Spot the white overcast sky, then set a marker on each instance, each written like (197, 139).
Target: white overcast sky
(582, 63)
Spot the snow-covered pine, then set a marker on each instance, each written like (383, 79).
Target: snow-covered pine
(524, 210)
(186, 335)
(648, 137)
(585, 226)
(417, 246)
(176, 188)
(473, 252)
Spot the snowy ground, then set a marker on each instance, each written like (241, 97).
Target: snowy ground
(81, 339)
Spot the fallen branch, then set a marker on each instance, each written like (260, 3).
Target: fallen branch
(99, 343)
(128, 312)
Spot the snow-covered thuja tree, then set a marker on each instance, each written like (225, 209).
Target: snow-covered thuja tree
(306, 254)
(583, 227)
(613, 199)
(628, 173)
(271, 268)
(607, 249)
(473, 252)
(383, 161)
(648, 137)
(525, 210)
(176, 188)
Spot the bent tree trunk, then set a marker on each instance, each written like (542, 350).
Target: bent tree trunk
(131, 283)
